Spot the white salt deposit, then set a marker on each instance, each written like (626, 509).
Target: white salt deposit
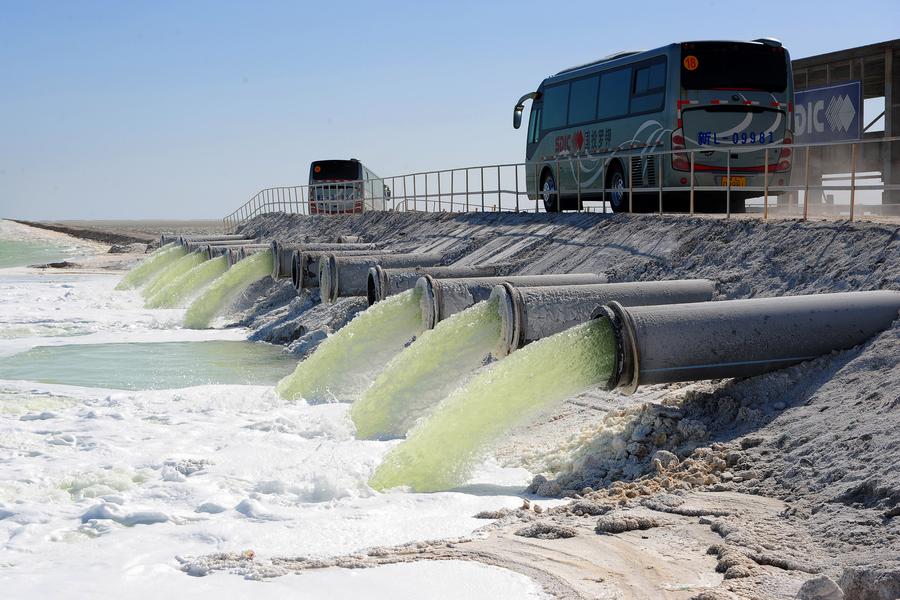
(101, 490)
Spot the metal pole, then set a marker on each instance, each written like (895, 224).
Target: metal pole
(499, 197)
(416, 196)
(659, 181)
(467, 189)
(692, 182)
(482, 189)
(806, 187)
(578, 183)
(405, 197)
(452, 197)
(440, 208)
(558, 189)
(517, 186)
(766, 185)
(603, 185)
(852, 179)
(630, 189)
(728, 189)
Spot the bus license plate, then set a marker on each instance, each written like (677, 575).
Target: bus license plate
(735, 181)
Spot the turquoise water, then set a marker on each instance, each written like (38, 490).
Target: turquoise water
(15, 253)
(150, 366)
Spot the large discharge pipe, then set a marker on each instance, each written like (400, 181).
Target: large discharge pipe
(739, 338)
(283, 253)
(342, 276)
(441, 298)
(168, 238)
(384, 282)
(305, 265)
(531, 313)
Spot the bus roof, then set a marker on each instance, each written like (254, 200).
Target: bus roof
(629, 56)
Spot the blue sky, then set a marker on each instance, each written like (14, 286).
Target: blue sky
(185, 109)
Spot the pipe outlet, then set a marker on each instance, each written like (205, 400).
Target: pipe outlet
(283, 253)
(383, 282)
(441, 298)
(531, 313)
(341, 275)
(739, 338)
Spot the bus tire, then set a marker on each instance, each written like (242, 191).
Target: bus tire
(615, 183)
(549, 193)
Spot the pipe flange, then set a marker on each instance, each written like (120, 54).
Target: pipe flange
(626, 348)
(428, 301)
(512, 316)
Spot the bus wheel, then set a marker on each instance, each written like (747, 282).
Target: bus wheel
(618, 199)
(549, 193)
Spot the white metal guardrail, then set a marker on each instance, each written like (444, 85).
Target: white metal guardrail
(824, 181)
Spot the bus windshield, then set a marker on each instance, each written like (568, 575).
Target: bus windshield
(733, 65)
(334, 170)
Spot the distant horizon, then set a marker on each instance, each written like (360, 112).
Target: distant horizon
(172, 111)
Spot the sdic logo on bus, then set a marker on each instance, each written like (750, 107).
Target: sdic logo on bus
(691, 62)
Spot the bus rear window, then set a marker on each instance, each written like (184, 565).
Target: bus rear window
(733, 65)
(334, 169)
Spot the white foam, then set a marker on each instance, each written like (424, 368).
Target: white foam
(100, 490)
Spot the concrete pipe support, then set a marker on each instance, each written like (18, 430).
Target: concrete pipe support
(305, 265)
(444, 297)
(740, 338)
(384, 282)
(342, 276)
(531, 313)
(283, 253)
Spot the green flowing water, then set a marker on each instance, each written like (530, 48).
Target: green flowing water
(173, 271)
(226, 288)
(151, 265)
(426, 372)
(345, 363)
(150, 366)
(439, 453)
(187, 284)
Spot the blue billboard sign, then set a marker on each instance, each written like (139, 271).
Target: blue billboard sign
(828, 114)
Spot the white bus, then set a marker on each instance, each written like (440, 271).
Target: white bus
(345, 186)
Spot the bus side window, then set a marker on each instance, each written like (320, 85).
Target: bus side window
(614, 91)
(556, 103)
(649, 89)
(583, 101)
(534, 124)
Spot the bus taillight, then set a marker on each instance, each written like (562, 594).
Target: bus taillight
(680, 161)
(784, 156)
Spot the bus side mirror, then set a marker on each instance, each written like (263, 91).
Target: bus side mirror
(517, 116)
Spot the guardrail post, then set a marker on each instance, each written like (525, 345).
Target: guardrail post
(405, 197)
(516, 169)
(482, 189)
(499, 193)
(806, 186)
(693, 152)
(766, 185)
(852, 180)
(630, 187)
(659, 181)
(558, 188)
(578, 183)
(467, 189)
(440, 204)
(728, 189)
(452, 196)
